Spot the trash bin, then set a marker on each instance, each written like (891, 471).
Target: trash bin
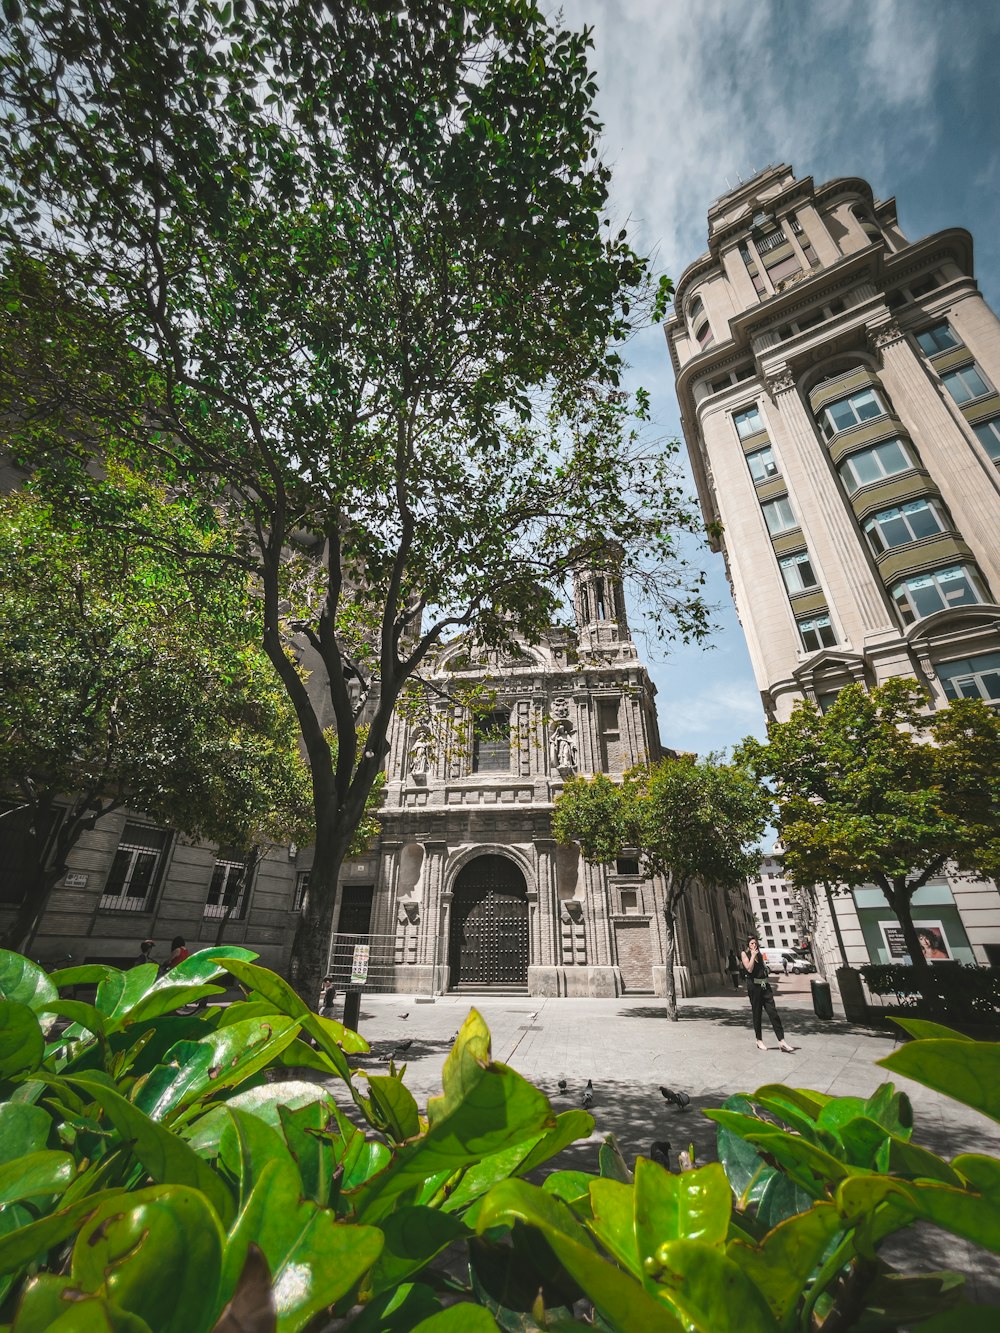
(352, 1007)
(822, 1001)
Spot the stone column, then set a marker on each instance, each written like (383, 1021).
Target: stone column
(433, 948)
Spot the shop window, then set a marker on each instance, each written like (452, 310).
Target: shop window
(886, 459)
(904, 524)
(922, 595)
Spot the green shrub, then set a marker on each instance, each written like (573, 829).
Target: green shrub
(960, 991)
(154, 1177)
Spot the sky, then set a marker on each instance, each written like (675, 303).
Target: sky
(697, 94)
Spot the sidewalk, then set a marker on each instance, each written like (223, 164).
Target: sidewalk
(628, 1049)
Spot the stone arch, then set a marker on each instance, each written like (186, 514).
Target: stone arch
(488, 935)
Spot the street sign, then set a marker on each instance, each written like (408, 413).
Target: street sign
(74, 880)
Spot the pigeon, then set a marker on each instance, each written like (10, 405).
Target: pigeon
(680, 1099)
(660, 1152)
(588, 1094)
(406, 1015)
(561, 1085)
(404, 1045)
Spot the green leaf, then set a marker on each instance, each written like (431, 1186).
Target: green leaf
(50, 1302)
(396, 1105)
(83, 1015)
(314, 1258)
(462, 1318)
(277, 991)
(222, 1059)
(263, 1102)
(413, 1237)
(207, 964)
(20, 1247)
(396, 1311)
(164, 997)
(709, 1292)
(310, 1146)
(974, 1212)
(968, 1072)
(119, 991)
(964, 1319)
(809, 1166)
(694, 1205)
(22, 1044)
(780, 1266)
(23, 1129)
(573, 1187)
(620, 1299)
(922, 1028)
(485, 1108)
(87, 974)
(167, 1158)
(612, 1221)
(25, 982)
(156, 1253)
(247, 1145)
(570, 1126)
(37, 1174)
(611, 1162)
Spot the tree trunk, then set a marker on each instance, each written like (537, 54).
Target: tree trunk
(21, 931)
(313, 932)
(669, 952)
(901, 904)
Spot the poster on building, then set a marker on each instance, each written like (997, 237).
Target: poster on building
(931, 934)
(359, 964)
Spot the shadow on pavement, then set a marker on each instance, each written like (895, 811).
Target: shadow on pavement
(794, 1018)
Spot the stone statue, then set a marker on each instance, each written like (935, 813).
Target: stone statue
(565, 750)
(420, 756)
(563, 744)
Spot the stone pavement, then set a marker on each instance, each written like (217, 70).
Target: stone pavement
(628, 1049)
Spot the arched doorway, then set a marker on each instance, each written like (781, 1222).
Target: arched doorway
(488, 937)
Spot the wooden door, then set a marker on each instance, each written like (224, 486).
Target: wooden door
(488, 938)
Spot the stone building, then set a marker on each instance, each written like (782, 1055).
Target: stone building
(465, 888)
(838, 387)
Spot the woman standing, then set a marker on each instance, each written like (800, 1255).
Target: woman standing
(761, 995)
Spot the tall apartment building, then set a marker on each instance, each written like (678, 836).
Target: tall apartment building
(774, 905)
(838, 387)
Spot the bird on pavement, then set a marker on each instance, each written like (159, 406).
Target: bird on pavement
(659, 1151)
(588, 1094)
(561, 1085)
(404, 1045)
(679, 1099)
(406, 1015)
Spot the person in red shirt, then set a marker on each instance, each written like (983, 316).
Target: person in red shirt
(178, 951)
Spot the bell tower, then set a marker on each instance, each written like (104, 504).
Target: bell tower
(599, 605)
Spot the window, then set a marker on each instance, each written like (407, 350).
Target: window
(826, 700)
(135, 869)
(923, 285)
(965, 383)
(627, 865)
(817, 633)
(887, 459)
(959, 585)
(227, 891)
(988, 435)
(863, 405)
(703, 335)
(762, 465)
(748, 422)
(778, 515)
(906, 523)
(301, 888)
(609, 729)
(937, 339)
(972, 678)
(797, 571)
(717, 386)
(491, 743)
(783, 269)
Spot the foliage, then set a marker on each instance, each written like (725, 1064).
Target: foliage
(129, 677)
(153, 1177)
(689, 819)
(358, 269)
(876, 791)
(963, 990)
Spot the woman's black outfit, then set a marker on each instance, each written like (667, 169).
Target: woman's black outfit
(761, 998)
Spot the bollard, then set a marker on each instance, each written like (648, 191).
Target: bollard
(352, 1008)
(822, 1001)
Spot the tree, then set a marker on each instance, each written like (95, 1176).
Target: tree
(128, 679)
(878, 791)
(688, 818)
(361, 260)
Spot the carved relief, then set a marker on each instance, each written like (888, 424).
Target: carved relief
(890, 332)
(782, 381)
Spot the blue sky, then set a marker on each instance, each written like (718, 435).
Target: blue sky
(901, 92)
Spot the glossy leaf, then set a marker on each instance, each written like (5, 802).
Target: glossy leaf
(966, 1071)
(973, 1212)
(167, 1158)
(25, 982)
(964, 1319)
(83, 1015)
(573, 1187)
(694, 1205)
(262, 1101)
(413, 1237)
(780, 1266)
(611, 1162)
(86, 974)
(119, 991)
(164, 998)
(156, 1253)
(314, 1258)
(397, 1106)
(570, 1127)
(23, 1129)
(620, 1299)
(27, 1243)
(222, 1059)
(923, 1028)
(809, 1166)
(37, 1174)
(207, 964)
(398, 1311)
(310, 1146)
(708, 1290)
(248, 1145)
(462, 1318)
(50, 1302)
(485, 1108)
(21, 1041)
(612, 1221)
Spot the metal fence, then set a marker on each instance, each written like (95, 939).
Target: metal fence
(384, 964)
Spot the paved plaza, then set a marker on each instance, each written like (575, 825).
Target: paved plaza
(627, 1048)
